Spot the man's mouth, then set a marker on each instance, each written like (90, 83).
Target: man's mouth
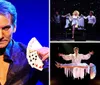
(1, 41)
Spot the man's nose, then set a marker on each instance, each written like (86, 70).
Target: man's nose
(1, 33)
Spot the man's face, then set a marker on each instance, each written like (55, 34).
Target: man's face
(76, 51)
(90, 13)
(6, 30)
(57, 13)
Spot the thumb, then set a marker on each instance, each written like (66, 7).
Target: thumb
(59, 54)
(45, 57)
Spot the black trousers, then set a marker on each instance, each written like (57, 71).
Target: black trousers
(90, 32)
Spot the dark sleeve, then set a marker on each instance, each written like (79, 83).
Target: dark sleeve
(33, 77)
(36, 75)
(42, 76)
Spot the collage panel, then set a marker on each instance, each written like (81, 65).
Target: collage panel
(24, 42)
(76, 20)
(74, 63)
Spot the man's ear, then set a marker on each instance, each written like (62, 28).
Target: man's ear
(14, 29)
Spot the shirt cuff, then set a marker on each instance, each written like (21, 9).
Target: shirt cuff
(46, 63)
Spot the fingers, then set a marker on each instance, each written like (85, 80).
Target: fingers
(59, 54)
(45, 57)
(43, 51)
(91, 52)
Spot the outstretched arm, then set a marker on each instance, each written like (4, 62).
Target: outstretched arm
(87, 56)
(65, 57)
(63, 15)
(85, 17)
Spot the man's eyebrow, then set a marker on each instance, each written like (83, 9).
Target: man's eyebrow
(7, 26)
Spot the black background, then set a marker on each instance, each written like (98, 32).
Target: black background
(57, 74)
(83, 6)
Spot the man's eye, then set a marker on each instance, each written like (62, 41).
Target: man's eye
(6, 27)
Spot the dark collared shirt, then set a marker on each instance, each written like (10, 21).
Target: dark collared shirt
(20, 72)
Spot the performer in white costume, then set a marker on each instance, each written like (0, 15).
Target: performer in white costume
(75, 17)
(81, 22)
(68, 19)
(76, 67)
(76, 57)
(75, 20)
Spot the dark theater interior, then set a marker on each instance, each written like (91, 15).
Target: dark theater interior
(57, 76)
(68, 6)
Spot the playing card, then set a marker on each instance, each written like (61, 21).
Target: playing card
(32, 55)
(35, 61)
(34, 44)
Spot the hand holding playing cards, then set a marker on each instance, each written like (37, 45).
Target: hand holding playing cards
(43, 53)
(36, 54)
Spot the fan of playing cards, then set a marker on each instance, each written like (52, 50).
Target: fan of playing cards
(33, 58)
